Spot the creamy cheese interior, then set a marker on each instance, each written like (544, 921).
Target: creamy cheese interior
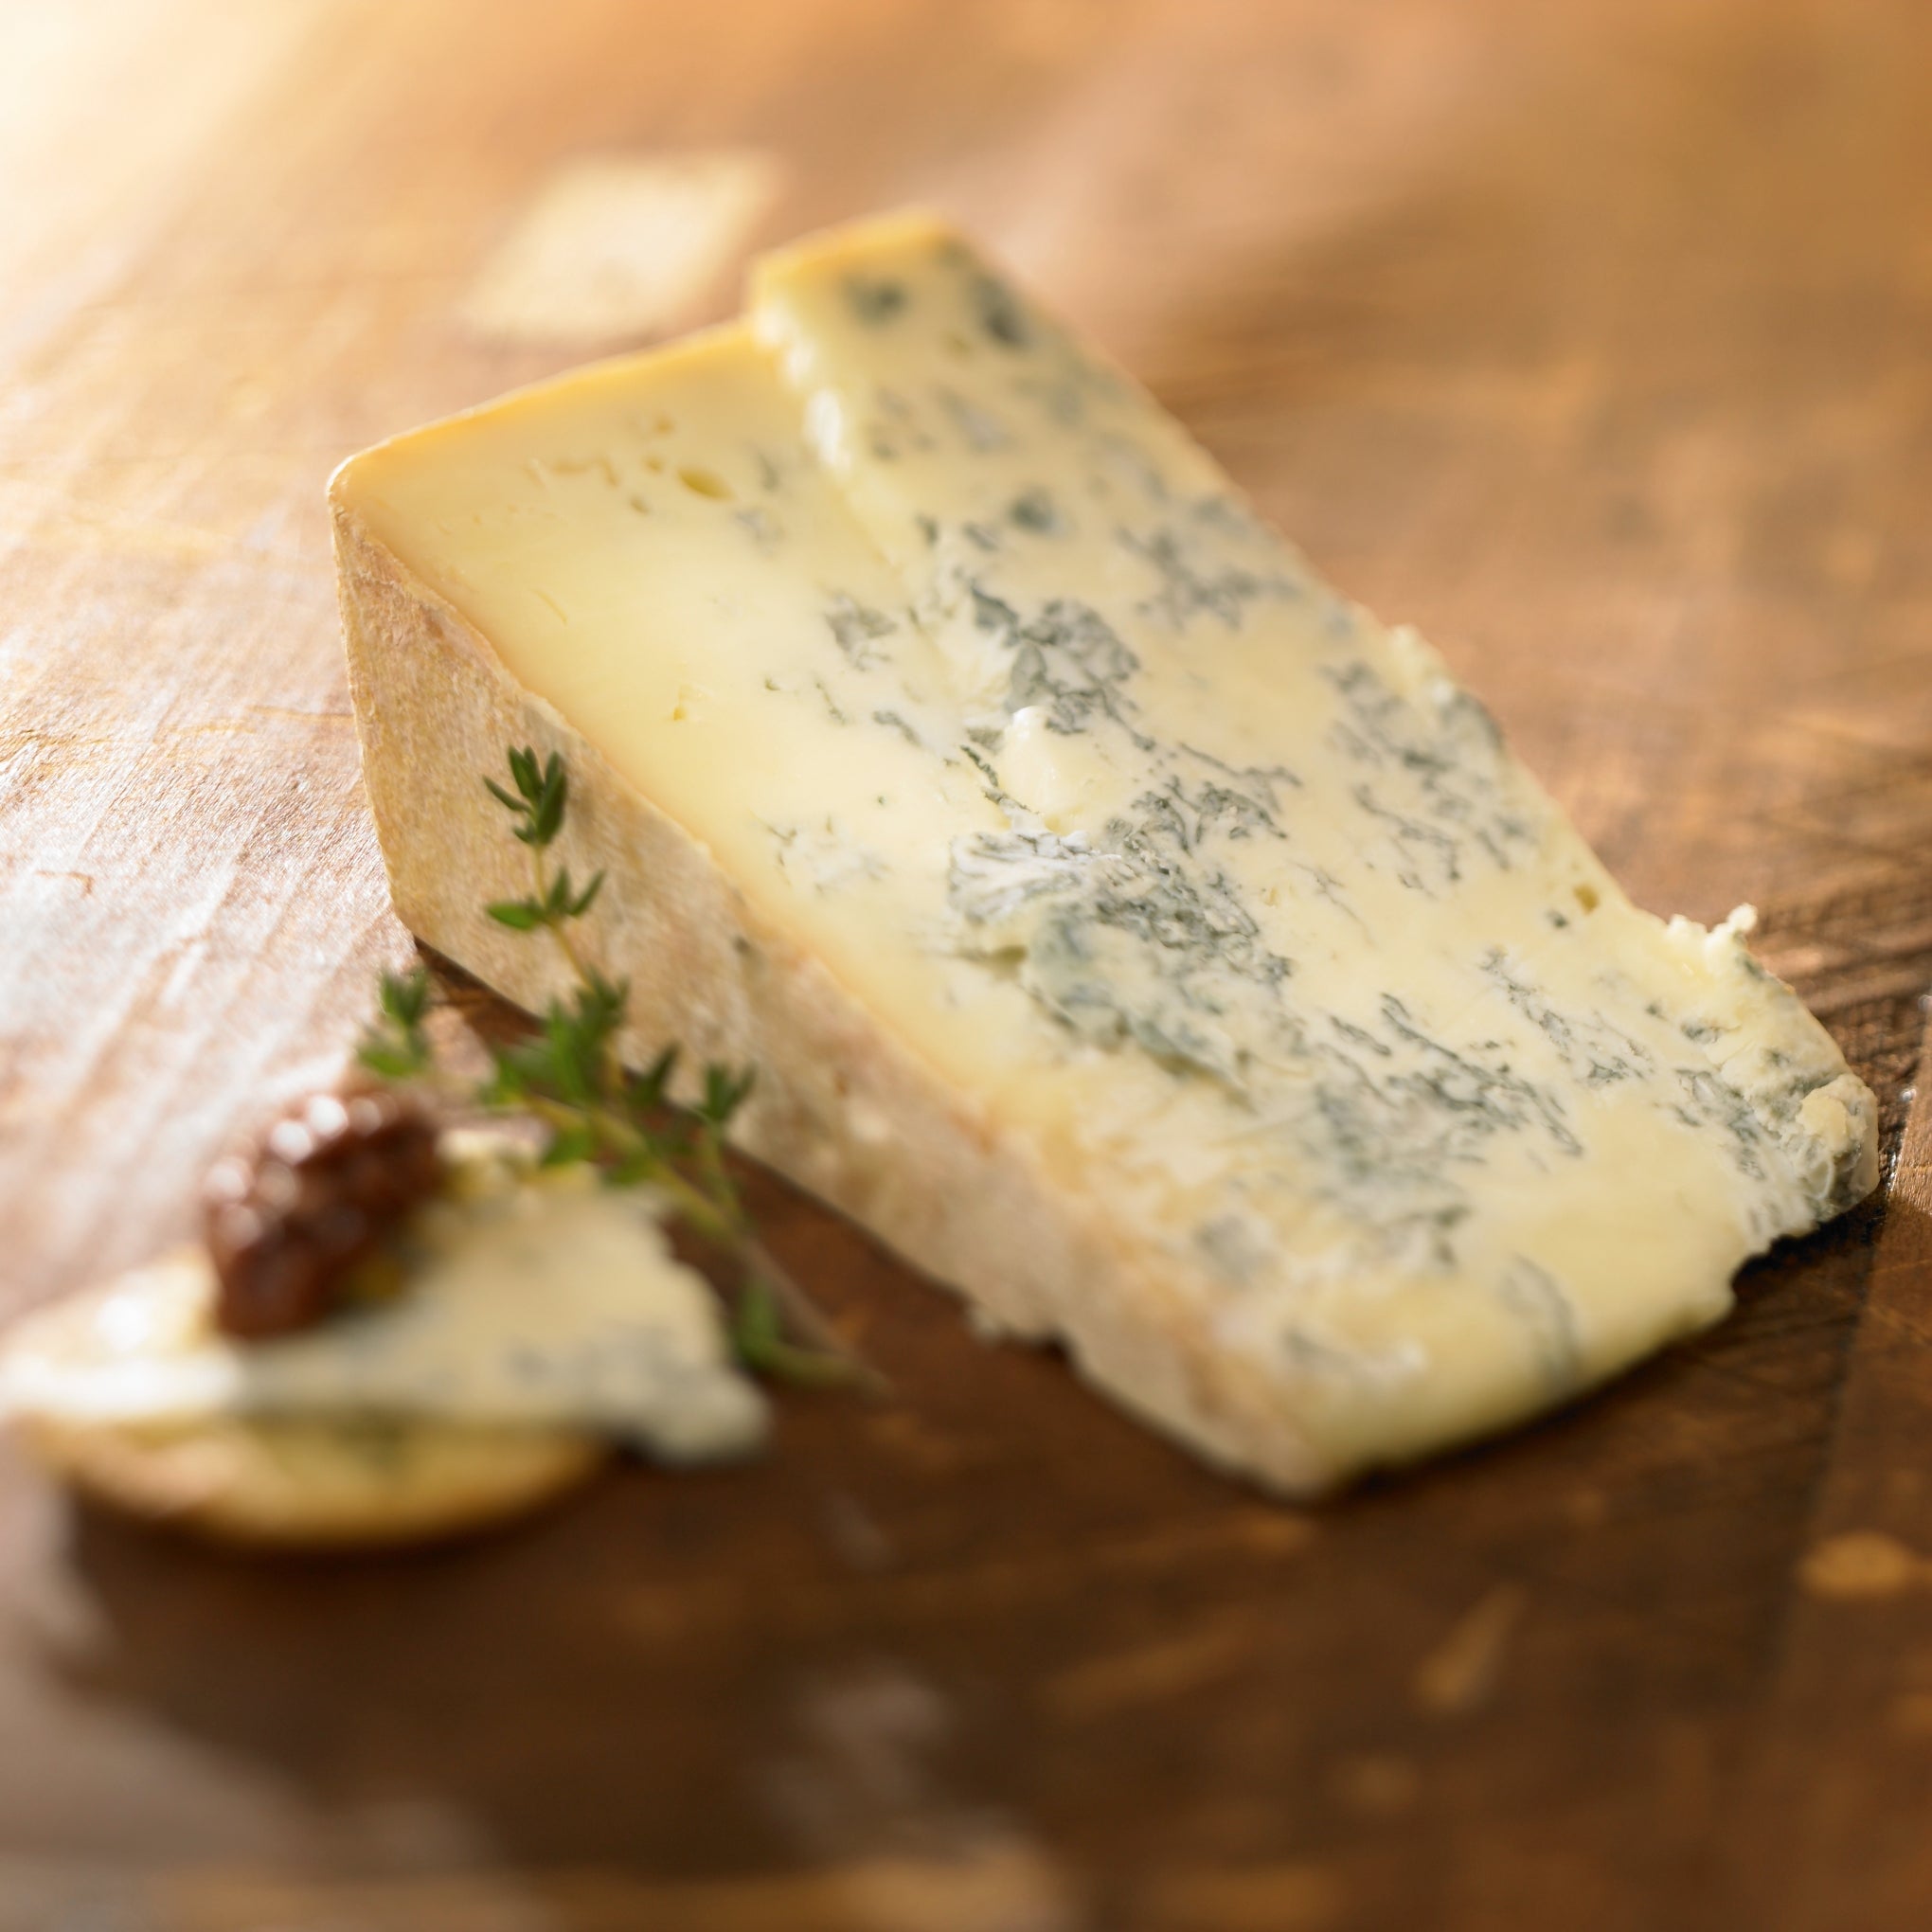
(547, 1305)
(977, 674)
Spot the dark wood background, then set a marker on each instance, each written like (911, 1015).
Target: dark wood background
(1594, 338)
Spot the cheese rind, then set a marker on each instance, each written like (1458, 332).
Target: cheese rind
(1128, 929)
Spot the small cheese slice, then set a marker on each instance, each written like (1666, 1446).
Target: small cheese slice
(1131, 930)
(526, 1306)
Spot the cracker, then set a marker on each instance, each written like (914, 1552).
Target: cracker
(314, 1484)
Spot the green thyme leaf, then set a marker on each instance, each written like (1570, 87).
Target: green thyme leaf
(394, 1045)
(404, 997)
(725, 1093)
(388, 1062)
(569, 1145)
(648, 1089)
(523, 770)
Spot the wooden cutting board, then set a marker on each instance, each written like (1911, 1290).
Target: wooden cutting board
(1593, 338)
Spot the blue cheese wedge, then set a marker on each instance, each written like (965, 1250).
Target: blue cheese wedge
(547, 1305)
(1130, 931)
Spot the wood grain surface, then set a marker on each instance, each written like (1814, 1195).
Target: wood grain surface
(1590, 337)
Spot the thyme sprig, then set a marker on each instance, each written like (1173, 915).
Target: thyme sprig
(567, 1077)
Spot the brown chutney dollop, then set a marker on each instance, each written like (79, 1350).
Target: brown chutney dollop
(289, 1220)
